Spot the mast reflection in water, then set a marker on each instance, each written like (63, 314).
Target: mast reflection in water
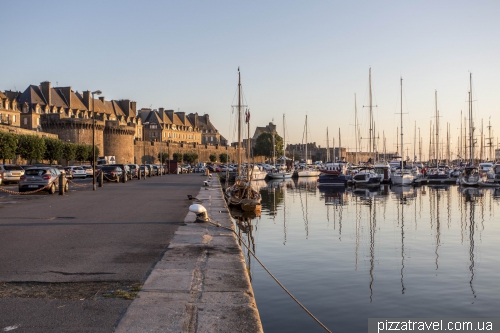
(349, 255)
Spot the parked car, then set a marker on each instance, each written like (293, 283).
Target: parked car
(75, 172)
(39, 177)
(11, 173)
(125, 168)
(144, 170)
(88, 169)
(158, 170)
(134, 170)
(112, 173)
(151, 171)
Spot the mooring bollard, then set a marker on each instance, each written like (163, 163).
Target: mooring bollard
(100, 179)
(124, 176)
(139, 174)
(62, 178)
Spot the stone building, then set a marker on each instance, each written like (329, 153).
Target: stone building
(62, 111)
(209, 134)
(169, 126)
(10, 114)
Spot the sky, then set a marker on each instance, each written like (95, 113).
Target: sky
(296, 58)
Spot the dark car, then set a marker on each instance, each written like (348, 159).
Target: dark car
(134, 170)
(40, 177)
(112, 173)
(124, 167)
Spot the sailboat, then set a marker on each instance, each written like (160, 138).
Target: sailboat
(470, 174)
(241, 192)
(402, 176)
(307, 171)
(282, 172)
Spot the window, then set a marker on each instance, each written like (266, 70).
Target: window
(38, 121)
(25, 121)
(152, 126)
(13, 118)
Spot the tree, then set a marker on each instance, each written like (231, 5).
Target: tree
(31, 147)
(212, 158)
(163, 157)
(178, 157)
(53, 149)
(223, 158)
(69, 150)
(82, 153)
(190, 157)
(8, 146)
(264, 145)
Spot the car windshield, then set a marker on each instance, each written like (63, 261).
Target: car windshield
(108, 168)
(77, 168)
(35, 172)
(12, 167)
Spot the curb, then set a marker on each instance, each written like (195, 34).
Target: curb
(201, 284)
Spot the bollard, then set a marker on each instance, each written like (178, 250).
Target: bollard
(139, 174)
(124, 177)
(100, 179)
(62, 178)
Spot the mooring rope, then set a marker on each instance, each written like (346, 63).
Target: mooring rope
(271, 274)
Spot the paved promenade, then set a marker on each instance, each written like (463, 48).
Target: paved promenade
(75, 263)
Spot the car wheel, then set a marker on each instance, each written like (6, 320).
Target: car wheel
(52, 188)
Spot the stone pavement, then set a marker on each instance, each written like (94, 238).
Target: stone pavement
(201, 284)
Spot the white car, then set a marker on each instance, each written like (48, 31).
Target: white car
(75, 172)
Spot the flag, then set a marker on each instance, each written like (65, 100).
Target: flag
(247, 116)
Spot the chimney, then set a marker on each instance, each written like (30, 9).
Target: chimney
(102, 99)
(46, 91)
(133, 107)
(66, 92)
(182, 117)
(87, 99)
(194, 118)
(170, 114)
(125, 106)
(161, 113)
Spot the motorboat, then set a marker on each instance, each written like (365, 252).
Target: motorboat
(366, 177)
(469, 176)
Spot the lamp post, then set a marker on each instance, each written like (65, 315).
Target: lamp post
(97, 92)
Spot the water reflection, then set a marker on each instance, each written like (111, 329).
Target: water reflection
(419, 243)
(244, 230)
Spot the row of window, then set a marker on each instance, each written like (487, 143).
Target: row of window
(5, 105)
(8, 119)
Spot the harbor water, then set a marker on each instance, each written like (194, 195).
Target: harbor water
(389, 252)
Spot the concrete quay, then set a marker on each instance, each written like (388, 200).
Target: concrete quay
(66, 261)
(201, 283)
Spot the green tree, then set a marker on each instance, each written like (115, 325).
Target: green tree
(31, 147)
(82, 153)
(264, 145)
(212, 158)
(178, 157)
(53, 149)
(69, 151)
(190, 157)
(8, 146)
(223, 158)
(163, 157)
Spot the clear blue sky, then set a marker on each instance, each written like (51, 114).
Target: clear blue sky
(296, 58)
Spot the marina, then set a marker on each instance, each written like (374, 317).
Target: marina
(350, 253)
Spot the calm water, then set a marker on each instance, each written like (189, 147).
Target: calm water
(392, 252)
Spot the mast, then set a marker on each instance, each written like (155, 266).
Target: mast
(415, 142)
(248, 144)
(284, 142)
(239, 122)
(340, 143)
(437, 129)
(306, 137)
(327, 147)
(371, 114)
(356, 127)
(402, 149)
(461, 139)
(471, 124)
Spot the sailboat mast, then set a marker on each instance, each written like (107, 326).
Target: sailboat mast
(340, 144)
(437, 129)
(306, 140)
(284, 136)
(239, 122)
(327, 147)
(371, 114)
(461, 139)
(356, 127)
(402, 148)
(471, 125)
(248, 144)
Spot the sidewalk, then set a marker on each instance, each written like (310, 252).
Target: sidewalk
(201, 284)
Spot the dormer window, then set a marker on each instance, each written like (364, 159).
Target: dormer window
(153, 126)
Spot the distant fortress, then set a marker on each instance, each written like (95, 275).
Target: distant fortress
(131, 135)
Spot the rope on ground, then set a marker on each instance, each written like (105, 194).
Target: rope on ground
(275, 279)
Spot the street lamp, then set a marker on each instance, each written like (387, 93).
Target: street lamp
(97, 92)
